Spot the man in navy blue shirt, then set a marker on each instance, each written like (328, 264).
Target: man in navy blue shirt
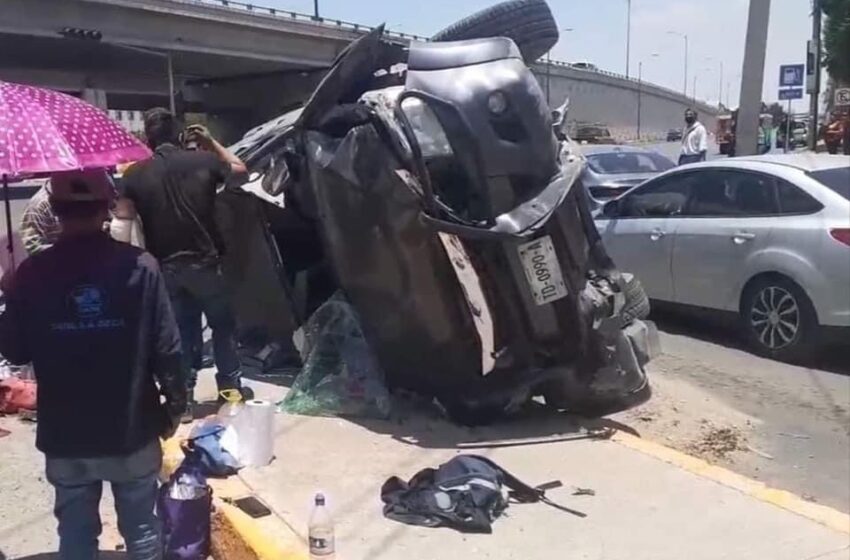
(94, 317)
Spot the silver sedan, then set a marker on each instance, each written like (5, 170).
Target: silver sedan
(765, 237)
(611, 170)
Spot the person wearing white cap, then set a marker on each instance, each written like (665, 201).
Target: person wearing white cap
(94, 318)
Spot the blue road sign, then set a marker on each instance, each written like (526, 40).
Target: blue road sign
(791, 75)
(794, 93)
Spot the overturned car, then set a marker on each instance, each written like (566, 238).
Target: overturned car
(426, 185)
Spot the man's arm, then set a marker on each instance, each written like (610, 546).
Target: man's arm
(37, 226)
(703, 142)
(13, 340)
(202, 136)
(166, 360)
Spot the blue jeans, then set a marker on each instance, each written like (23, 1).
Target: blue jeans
(79, 484)
(197, 288)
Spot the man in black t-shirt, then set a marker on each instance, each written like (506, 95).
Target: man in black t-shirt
(174, 194)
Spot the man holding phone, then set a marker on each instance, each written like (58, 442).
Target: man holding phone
(174, 193)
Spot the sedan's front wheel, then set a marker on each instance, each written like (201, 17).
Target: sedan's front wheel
(779, 319)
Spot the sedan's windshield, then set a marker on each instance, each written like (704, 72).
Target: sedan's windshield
(614, 163)
(837, 179)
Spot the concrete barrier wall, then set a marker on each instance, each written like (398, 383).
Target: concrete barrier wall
(607, 98)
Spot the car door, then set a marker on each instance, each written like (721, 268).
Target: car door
(727, 220)
(638, 229)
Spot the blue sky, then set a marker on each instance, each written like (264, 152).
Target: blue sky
(716, 30)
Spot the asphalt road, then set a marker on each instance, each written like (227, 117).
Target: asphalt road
(786, 425)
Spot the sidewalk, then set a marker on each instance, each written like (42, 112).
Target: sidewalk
(644, 507)
(650, 503)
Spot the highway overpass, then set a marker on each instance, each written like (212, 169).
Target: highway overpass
(242, 64)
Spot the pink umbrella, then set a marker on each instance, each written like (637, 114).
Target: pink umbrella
(43, 131)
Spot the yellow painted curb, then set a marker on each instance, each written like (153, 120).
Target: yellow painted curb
(824, 515)
(236, 535)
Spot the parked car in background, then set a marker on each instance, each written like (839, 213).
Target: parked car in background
(593, 134)
(584, 65)
(611, 170)
(765, 237)
(799, 135)
(674, 134)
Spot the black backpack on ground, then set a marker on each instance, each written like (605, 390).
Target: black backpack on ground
(467, 493)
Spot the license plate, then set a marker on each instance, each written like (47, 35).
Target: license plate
(542, 270)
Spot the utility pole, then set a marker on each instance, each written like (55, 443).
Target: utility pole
(694, 92)
(814, 72)
(316, 10)
(752, 78)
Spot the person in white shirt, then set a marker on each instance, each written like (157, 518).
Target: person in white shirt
(694, 140)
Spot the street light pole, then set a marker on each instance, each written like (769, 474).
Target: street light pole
(628, 36)
(720, 90)
(685, 80)
(549, 70)
(640, 96)
(316, 10)
(694, 92)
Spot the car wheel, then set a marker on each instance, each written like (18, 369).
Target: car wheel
(529, 23)
(779, 319)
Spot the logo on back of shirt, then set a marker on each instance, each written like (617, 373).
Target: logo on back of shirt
(88, 301)
(88, 304)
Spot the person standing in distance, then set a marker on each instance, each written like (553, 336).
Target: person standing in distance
(694, 140)
(174, 193)
(94, 318)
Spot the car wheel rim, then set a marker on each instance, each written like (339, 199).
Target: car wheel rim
(775, 317)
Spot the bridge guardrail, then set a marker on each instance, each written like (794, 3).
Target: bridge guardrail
(252, 8)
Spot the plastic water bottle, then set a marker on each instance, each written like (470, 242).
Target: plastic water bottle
(321, 531)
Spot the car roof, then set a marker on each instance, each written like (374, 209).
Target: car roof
(805, 161)
(591, 149)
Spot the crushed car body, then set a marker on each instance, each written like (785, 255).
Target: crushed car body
(428, 186)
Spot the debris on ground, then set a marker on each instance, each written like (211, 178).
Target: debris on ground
(761, 454)
(717, 443)
(584, 491)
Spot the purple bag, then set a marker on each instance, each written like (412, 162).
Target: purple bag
(185, 522)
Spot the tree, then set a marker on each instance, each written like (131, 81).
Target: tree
(836, 39)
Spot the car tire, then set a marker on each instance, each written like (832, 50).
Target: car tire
(779, 319)
(637, 302)
(529, 23)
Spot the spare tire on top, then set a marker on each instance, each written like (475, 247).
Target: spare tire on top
(529, 23)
